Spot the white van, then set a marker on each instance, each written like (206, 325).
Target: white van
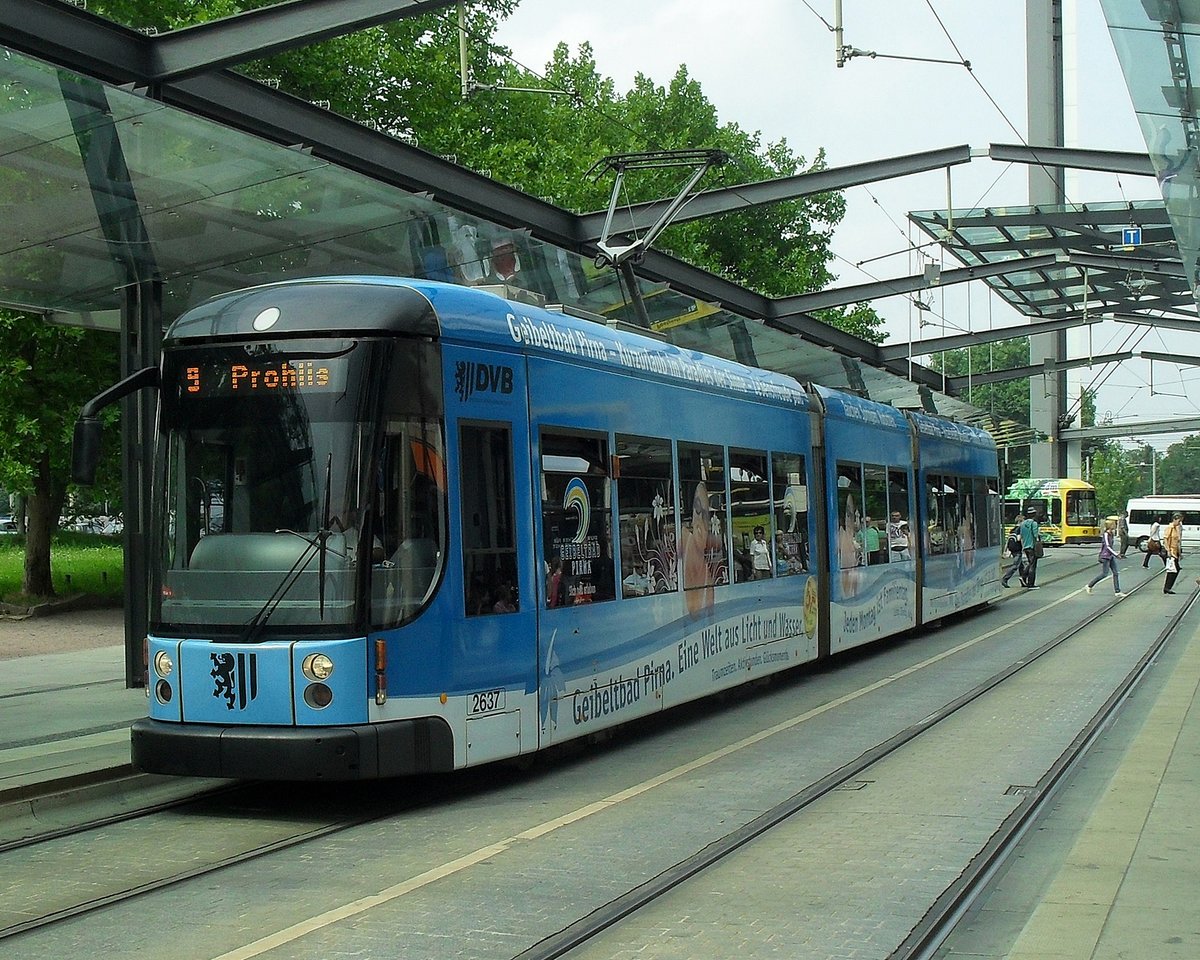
(1143, 511)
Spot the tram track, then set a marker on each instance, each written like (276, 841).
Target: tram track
(925, 940)
(205, 823)
(613, 913)
(939, 921)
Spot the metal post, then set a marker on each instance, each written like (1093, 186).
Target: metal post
(141, 337)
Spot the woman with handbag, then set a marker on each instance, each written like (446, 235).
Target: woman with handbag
(1173, 545)
(1154, 542)
(1108, 559)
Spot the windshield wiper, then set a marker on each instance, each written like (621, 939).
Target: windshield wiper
(256, 623)
(318, 544)
(323, 536)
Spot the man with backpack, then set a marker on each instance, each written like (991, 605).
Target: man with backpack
(1013, 546)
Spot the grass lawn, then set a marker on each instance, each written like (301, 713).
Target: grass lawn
(79, 563)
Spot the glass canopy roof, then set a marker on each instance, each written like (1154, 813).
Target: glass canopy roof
(1157, 41)
(1097, 271)
(99, 184)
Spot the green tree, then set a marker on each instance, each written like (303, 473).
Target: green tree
(403, 78)
(1117, 476)
(47, 373)
(1007, 399)
(550, 144)
(1179, 469)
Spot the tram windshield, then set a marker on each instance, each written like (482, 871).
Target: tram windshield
(287, 481)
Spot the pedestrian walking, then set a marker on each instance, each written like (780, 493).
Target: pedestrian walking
(1031, 547)
(1154, 542)
(1173, 546)
(1123, 534)
(1108, 559)
(1013, 546)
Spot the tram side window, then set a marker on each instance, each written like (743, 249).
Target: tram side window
(577, 518)
(704, 544)
(848, 544)
(750, 510)
(875, 514)
(488, 530)
(935, 532)
(899, 531)
(951, 514)
(790, 512)
(980, 526)
(993, 522)
(646, 512)
(411, 529)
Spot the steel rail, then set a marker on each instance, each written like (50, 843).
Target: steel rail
(618, 909)
(957, 900)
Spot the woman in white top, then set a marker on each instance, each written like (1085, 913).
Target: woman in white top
(1154, 546)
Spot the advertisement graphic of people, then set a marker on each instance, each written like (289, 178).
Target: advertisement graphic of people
(849, 553)
(698, 535)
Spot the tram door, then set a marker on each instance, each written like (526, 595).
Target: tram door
(493, 658)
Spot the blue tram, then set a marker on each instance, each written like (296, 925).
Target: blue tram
(404, 526)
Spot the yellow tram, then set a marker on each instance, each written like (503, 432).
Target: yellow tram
(1067, 508)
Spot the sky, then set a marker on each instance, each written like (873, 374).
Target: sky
(769, 66)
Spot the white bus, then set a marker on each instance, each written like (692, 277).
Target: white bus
(1143, 511)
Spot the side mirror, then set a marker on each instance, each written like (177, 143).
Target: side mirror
(85, 450)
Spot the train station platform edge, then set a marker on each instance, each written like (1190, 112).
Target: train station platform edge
(64, 708)
(1129, 885)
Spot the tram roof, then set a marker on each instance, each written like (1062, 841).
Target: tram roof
(427, 308)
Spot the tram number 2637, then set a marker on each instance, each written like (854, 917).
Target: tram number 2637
(486, 702)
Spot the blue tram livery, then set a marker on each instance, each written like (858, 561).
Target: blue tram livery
(403, 526)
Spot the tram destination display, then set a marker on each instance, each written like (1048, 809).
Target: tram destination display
(260, 376)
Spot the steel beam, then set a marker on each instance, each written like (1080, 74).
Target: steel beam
(1171, 323)
(922, 348)
(1180, 358)
(1123, 262)
(64, 34)
(1141, 429)
(841, 296)
(746, 196)
(268, 30)
(1109, 161)
(957, 384)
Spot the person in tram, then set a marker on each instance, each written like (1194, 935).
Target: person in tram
(760, 555)
(899, 537)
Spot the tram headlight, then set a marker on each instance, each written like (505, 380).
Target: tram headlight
(163, 665)
(317, 666)
(318, 696)
(163, 691)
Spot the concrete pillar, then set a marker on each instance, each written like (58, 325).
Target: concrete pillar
(1044, 77)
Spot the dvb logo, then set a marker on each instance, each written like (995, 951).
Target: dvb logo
(471, 378)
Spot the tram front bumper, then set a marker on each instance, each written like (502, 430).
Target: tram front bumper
(363, 752)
